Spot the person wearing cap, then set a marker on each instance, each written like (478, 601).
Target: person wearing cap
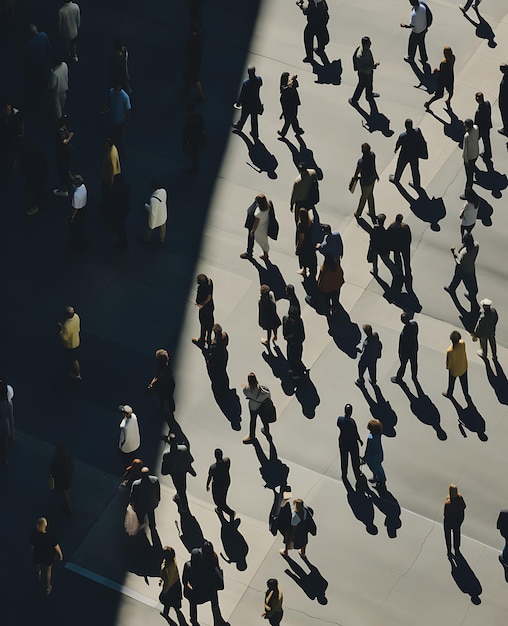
(364, 64)
(79, 212)
(485, 329)
(348, 443)
(250, 102)
(129, 430)
(69, 332)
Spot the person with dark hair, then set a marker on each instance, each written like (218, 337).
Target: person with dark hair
(45, 548)
(6, 422)
(119, 207)
(469, 211)
(370, 351)
(110, 168)
(293, 298)
(132, 473)
(445, 79)
(37, 57)
(454, 508)
(329, 283)
(64, 151)
(177, 462)
(302, 523)
(317, 16)
(273, 602)
(470, 152)
(456, 364)
(217, 359)
(192, 62)
(332, 245)
(419, 24)
(305, 192)
(164, 384)
(69, 333)
(194, 137)
(250, 102)
(364, 64)
(58, 85)
(157, 209)
(465, 270)
(261, 223)
(305, 248)
(399, 237)
(219, 478)
(118, 69)
(171, 593)
(289, 101)
(379, 244)
(411, 144)
(367, 174)
(79, 213)
(12, 132)
(408, 349)
(206, 306)
(483, 119)
(69, 23)
(267, 315)
(120, 111)
(61, 469)
(294, 334)
(374, 456)
(256, 394)
(348, 443)
(145, 497)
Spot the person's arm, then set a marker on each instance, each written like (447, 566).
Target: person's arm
(209, 479)
(68, 138)
(58, 550)
(254, 226)
(74, 213)
(78, 18)
(358, 171)
(204, 302)
(122, 435)
(299, 242)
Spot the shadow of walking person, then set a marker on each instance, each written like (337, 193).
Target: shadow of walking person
(273, 471)
(427, 78)
(483, 30)
(424, 409)
(381, 410)
(307, 395)
(313, 584)
(262, 160)
(406, 301)
(360, 502)
(280, 369)
(142, 558)
(485, 211)
(430, 210)
(328, 74)
(493, 181)
(389, 506)
(345, 333)
(189, 531)
(375, 121)
(465, 579)
(303, 154)
(497, 381)
(470, 418)
(233, 542)
(271, 275)
(454, 129)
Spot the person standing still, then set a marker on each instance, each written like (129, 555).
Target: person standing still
(157, 212)
(419, 24)
(456, 364)
(219, 478)
(129, 440)
(250, 102)
(45, 548)
(370, 350)
(364, 64)
(367, 174)
(69, 332)
(256, 394)
(348, 443)
(206, 306)
(483, 119)
(454, 508)
(470, 152)
(273, 602)
(78, 213)
(408, 349)
(69, 23)
(485, 329)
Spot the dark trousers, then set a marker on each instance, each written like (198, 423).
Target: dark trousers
(402, 162)
(63, 163)
(77, 228)
(250, 243)
(365, 83)
(403, 264)
(469, 167)
(468, 278)
(413, 360)
(253, 122)
(292, 121)
(463, 384)
(180, 483)
(308, 40)
(417, 41)
(452, 530)
(276, 618)
(219, 494)
(346, 452)
(34, 191)
(252, 425)
(487, 147)
(371, 366)
(294, 356)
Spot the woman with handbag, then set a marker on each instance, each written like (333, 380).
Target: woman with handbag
(267, 315)
(257, 395)
(171, 592)
(302, 523)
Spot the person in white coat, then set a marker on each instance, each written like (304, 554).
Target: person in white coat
(129, 430)
(69, 22)
(157, 212)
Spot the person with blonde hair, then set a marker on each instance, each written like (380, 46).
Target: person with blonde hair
(454, 508)
(44, 547)
(171, 592)
(445, 78)
(302, 523)
(456, 364)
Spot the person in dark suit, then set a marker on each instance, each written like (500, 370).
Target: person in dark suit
(399, 238)
(317, 16)
(177, 462)
(348, 443)
(483, 119)
(219, 478)
(145, 497)
(294, 334)
(408, 348)
(454, 508)
(410, 143)
(205, 304)
(250, 102)
(249, 223)
(370, 350)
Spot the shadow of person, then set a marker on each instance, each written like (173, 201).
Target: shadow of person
(427, 78)
(233, 542)
(497, 381)
(272, 276)
(485, 211)
(329, 73)
(262, 159)
(454, 129)
(273, 471)
(280, 369)
(229, 403)
(302, 154)
(424, 409)
(483, 30)
(465, 579)
(345, 333)
(360, 502)
(430, 210)
(387, 503)
(307, 395)
(313, 584)
(493, 181)
(470, 418)
(142, 558)
(404, 300)
(189, 531)
(375, 121)
(381, 410)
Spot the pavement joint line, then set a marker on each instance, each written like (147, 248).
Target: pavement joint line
(111, 584)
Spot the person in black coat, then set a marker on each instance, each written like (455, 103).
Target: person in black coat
(219, 478)
(164, 384)
(348, 443)
(408, 349)
(317, 16)
(206, 306)
(145, 497)
(399, 238)
(483, 119)
(193, 137)
(503, 99)
(250, 102)
(370, 350)
(177, 462)
(411, 144)
(294, 334)
(289, 101)
(502, 526)
(267, 315)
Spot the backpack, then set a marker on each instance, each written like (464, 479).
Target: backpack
(428, 14)
(423, 151)
(378, 347)
(356, 60)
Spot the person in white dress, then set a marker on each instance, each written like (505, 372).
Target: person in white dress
(261, 221)
(129, 430)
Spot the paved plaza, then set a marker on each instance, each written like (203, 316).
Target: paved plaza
(132, 303)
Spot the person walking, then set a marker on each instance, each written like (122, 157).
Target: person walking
(408, 349)
(192, 61)
(64, 151)
(329, 283)
(61, 470)
(250, 102)
(380, 244)
(317, 16)
(145, 497)
(367, 174)
(485, 329)
(364, 65)
(170, 595)
(456, 364)
(120, 111)
(374, 455)
(177, 462)
(483, 119)
(44, 547)
(219, 478)
(206, 306)
(465, 270)
(58, 85)
(249, 223)
(305, 248)
(420, 20)
(157, 212)
(348, 443)
(256, 394)
(302, 523)
(118, 67)
(6, 421)
(217, 360)
(259, 230)
(129, 440)
(332, 245)
(503, 99)
(110, 168)
(289, 101)
(445, 79)
(454, 508)
(273, 602)
(164, 384)
(470, 152)
(294, 334)
(502, 526)
(70, 335)
(474, 3)
(399, 237)
(305, 192)
(370, 350)
(69, 23)
(267, 315)
(79, 213)
(412, 146)
(469, 212)
(194, 137)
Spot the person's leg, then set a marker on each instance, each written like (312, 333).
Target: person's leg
(456, 539)
(470, 168)
(371, 203)
(308, 38)
(344, 458)
(421, 46)
(402, 368)
(162, 232)
(411, 46)
(451, 384)
(415, 172)
(487, 147)
(193, 612)
(148, 234)
(252, 424)
(355, 461)
(369, 90)
(467, 5)
(360, 87)
(399, 169)
(390, 264)
(362, 366)
(372, 368)
(493, 346)
(243, 118)
(448, 538)
(413, 360)
(67, 501)
(464, 384)
(457, 277)
(285, 127)
(296, 126)
(220, 497)
(254, 125)
(483, 345)
(48, 578)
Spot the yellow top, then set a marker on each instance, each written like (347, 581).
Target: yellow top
(456, 360)
(70, 332)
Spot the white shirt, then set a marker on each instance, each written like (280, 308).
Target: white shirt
(129, 434)
(10, 393)
(471, 148)
(419, 19)
(157, 209)
(468, 214)
(69, 20)
(59, 78)
(79, 197)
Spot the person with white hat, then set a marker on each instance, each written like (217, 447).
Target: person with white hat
(129, 430)
(486, 329)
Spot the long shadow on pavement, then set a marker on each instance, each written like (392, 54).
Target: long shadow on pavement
(312, 583)
(465, 578)
(234, 543)
(424, 409)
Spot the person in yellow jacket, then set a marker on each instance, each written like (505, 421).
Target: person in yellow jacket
(456, 364)
(273, 603)
(69, 332)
